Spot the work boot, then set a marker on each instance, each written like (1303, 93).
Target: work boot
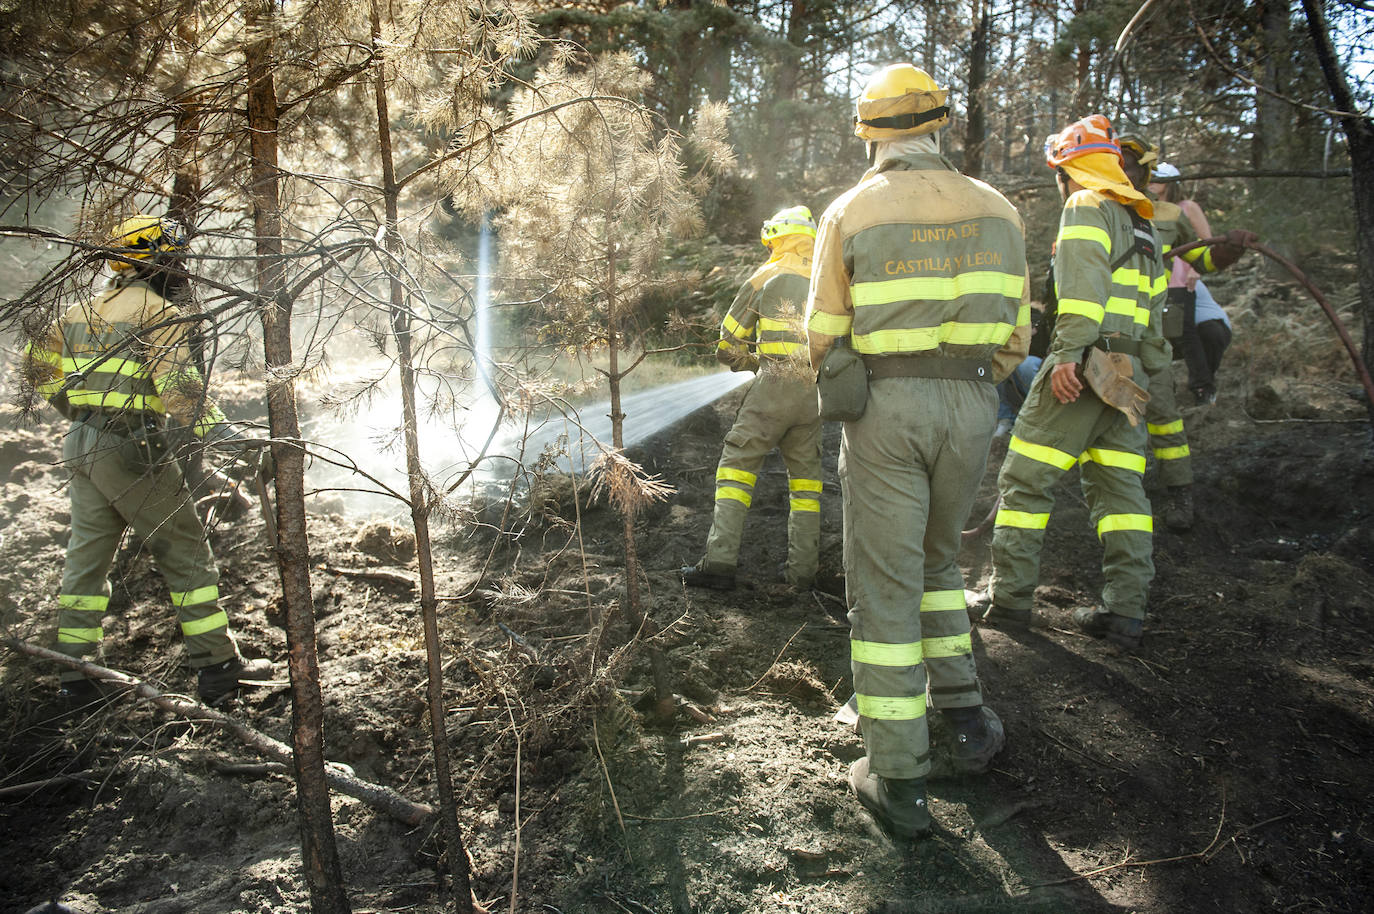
(80, 695)
(899, 805)
(978, 736)
(1119, 630)
(982, 609)
(1178, 508)
(216, 682)
(699, 575)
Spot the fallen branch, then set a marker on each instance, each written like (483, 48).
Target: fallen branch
(378, 797)
(80, 777)
(375, 574)
(776, 659)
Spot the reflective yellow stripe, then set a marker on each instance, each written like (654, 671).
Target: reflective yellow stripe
(1021, 519)
(1172, 453)
(84, 603)
(1208, 265)
(1091, 310)
(41, 354)
(934, 601)
(208, 624)
(878, 707)
(948, 646)
(1173, 428)
(780, 348)
(192, 597)
(804, 485)
(1023, 315)
(734, 328)
(738, 495)
(1109, 458)
(1126, 307)
(48, 389)
(937, 288)
(79, 635)
(922, 339)
(1042, 454)
(828, 324)
(1121, 523)
(878, 653)
(771, 325)
(730, 473)
(1087, 233)
(110, 399)
(127, 367)
(809, 505)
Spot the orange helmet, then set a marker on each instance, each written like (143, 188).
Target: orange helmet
(1092, 134)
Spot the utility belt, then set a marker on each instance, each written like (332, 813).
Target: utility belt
(1122, 344)
(121, 423)
(927, 366)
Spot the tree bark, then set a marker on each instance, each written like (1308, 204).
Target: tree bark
(1359, 134)
(323, 873)
(976, 131)
(461, 882)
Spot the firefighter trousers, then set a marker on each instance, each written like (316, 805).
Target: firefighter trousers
(910, 468)
(779, 410)
(1168, 440)
(115, 485)
(1048, 439)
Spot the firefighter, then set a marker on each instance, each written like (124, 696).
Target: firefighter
(761, 333)
(119, 367)
(1168, 439)
(922, 272)
(1109, 281)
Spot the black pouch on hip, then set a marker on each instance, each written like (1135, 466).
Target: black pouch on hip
(842, 383)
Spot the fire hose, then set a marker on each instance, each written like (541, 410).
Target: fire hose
(1361, 370)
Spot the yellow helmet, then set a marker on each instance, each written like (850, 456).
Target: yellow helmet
(795, 220)
(1145, 152)
(900, 100)
(143, 237)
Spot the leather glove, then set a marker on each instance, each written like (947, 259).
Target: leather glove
(1229, 251)
(267, 464)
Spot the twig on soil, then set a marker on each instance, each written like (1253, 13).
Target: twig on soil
(693, 710)
(694, 815)
(776, 659)
(1096, 761)
(249, 769)
(1245, 829)
(375, 574)
(1127, 862)
(515, 862)
(81, 777)
(596, 739)
(375, 795)
(719, 736)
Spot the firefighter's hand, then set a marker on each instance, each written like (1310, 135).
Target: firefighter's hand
(1065, 383)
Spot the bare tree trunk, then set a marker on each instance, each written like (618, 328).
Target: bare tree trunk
(663, 690)
(1359, 134)
(319, 855)
(976, 131)
(420, 505)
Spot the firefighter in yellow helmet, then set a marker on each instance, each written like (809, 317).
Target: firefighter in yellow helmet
(1109, 280)
(119, 367)
(761, 333)
(1168, 439)
(922, 271)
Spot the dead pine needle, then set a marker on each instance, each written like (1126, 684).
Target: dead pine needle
(615, 804)
(776, 659)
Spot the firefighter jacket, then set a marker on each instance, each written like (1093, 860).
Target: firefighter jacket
(1109, 280)
(917, 259)
(766, 313)
(124, 353)
(1174, 229)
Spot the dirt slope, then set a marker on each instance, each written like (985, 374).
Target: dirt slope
(1223, 767)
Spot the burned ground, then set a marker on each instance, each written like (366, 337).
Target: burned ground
(1222, 767)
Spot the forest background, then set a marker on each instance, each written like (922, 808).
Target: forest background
(497, 209)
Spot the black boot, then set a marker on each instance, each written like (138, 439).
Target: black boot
(1178, 508)
(1119, 630)
(978, 737)
(214, 683)
(899, 805)
(715, 578)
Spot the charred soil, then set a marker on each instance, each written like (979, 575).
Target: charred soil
(1223, 767)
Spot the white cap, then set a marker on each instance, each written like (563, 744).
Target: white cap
(1165, 170)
